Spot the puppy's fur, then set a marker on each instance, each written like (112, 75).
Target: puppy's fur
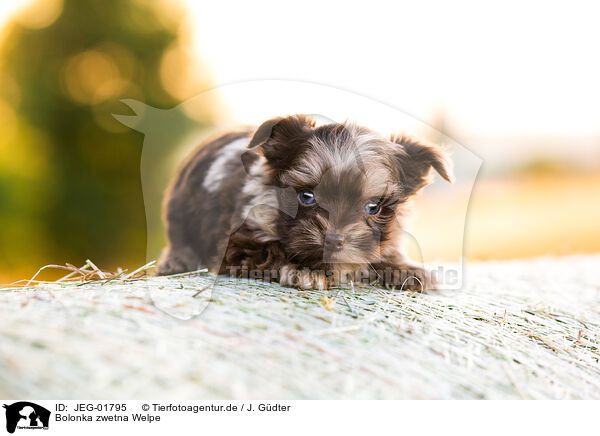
(235, 204)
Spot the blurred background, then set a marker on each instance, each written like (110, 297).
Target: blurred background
(515, 83)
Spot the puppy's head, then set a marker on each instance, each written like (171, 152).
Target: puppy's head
(349, 186)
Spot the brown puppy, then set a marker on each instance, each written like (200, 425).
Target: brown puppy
(308, 206)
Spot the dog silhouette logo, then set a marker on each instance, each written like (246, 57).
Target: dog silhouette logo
(26, 415)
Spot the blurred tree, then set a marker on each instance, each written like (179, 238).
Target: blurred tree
(69, 172)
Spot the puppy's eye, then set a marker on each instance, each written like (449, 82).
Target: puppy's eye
(306, 197)
(372, 208)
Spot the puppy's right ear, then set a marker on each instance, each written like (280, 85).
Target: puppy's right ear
(280, 140)
(264, 132)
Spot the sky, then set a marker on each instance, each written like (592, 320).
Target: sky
(513, 80)
(517, 68)
(500, 74)
(6, 8)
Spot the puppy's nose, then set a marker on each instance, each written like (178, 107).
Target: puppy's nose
(334, 241)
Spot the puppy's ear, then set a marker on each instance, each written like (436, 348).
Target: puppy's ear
(280, 140)
(415, 161)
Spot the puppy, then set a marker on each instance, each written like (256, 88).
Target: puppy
(310, 207)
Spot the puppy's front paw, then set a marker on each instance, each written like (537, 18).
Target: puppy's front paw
(303, 278)
(404, 277)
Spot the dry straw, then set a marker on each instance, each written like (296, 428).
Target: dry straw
(520, 329)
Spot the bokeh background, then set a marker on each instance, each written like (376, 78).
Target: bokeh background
(515, 83)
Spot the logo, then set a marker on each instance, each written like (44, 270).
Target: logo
(26, 415)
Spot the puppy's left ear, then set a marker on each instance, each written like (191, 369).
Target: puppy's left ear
(416, 160)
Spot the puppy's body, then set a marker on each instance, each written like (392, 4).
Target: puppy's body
(308, 206)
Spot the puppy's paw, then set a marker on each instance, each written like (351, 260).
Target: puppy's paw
(405, 277)
(304, 278)
(174, 261)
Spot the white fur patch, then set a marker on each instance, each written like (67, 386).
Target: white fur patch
(217, 172)
(261, 212)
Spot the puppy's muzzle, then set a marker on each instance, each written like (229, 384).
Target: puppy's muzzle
(334, 241)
